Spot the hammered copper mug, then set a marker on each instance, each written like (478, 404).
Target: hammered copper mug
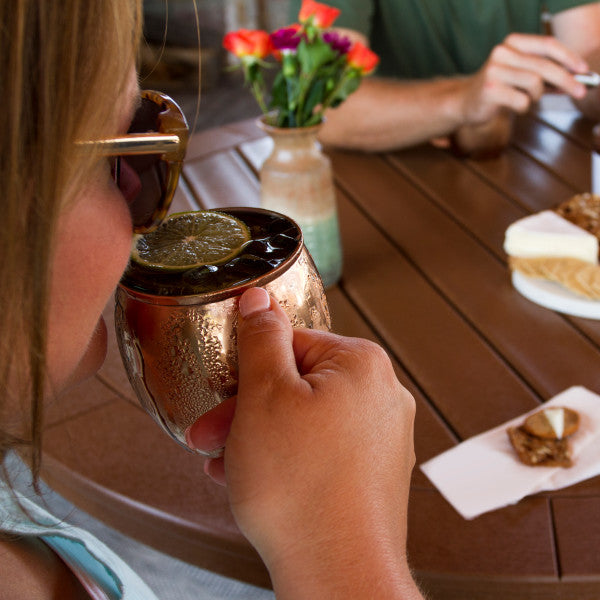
(180, 351)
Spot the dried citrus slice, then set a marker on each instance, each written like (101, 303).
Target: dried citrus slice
(191, 239)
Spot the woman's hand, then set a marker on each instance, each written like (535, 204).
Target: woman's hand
(318, 456)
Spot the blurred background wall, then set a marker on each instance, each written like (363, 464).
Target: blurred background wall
(170, 57)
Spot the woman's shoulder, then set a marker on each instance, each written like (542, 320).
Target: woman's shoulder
(31, 569)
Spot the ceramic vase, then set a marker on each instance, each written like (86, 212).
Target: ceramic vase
(296, 180)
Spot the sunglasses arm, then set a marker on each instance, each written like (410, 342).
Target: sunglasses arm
(144, 143)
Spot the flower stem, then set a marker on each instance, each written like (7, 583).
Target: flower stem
(331, 96)
(306, 80)
(257, 91)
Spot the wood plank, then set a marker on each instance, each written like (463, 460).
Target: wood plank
(523, 180)
(222, 180)
(475, 283)
(472, 387)
(255, 152)
(432, 436)
(220, 139)
(558, 111)
(515, 542)
(445, 180)
(447, 586)
(577, 522)
(565, 158)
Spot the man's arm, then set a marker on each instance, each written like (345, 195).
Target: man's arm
(579, 29)
(385, 114)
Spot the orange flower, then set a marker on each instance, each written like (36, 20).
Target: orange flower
(323, 15)
(362, 59)
(248, 43)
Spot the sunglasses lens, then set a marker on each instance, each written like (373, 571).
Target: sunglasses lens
(143, 182)
(143, 179)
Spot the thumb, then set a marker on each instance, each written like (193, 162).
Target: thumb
(264, 341)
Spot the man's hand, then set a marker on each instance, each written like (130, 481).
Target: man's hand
(516, 75)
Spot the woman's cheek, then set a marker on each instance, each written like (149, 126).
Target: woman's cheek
(93, 246)
(93, 357)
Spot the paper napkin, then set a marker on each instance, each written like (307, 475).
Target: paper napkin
(483, 473)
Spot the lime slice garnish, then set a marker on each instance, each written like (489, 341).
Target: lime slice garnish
(191, 239)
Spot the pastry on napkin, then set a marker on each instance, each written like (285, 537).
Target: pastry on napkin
(484, 473)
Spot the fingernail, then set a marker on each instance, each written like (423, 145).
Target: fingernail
(208, 469)
(188, 439)
(254, 301)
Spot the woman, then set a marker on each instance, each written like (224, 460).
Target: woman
(319, 442)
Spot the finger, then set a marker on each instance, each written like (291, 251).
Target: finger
(210, 431)
(528, 81)
(264, 341)
(530, 71)
(322, 352)
(314, 347)
(215, 469)
(512, 98)
(549, 47)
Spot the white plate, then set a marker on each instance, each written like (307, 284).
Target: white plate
(554, 296)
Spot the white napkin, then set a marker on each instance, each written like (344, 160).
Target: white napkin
(484, 473)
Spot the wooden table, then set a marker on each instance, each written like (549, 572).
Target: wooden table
(426, 276)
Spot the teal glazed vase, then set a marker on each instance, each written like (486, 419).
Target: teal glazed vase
(297, 180)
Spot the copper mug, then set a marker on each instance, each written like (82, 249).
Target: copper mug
(180, 351)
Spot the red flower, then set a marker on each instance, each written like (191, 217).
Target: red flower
(363, 59)
(247, 42)
(323, 15)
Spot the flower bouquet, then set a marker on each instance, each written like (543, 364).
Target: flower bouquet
(318, 68)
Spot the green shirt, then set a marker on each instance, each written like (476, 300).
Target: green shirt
(424, 38)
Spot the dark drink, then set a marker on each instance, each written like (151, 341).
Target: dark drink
(273, 239)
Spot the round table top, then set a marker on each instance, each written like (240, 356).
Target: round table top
(426, 276)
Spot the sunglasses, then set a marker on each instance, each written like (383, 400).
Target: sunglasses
(148, 159)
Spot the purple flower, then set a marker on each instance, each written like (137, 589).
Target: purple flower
(286, 38)
(338, 43)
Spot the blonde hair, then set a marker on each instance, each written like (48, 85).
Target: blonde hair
(63, 65)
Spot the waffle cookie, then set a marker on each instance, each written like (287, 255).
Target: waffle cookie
(580, 277)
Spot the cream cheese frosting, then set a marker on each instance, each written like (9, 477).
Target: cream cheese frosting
(548, 234)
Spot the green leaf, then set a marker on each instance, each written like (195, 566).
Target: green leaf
(314, 97)
(314, 120)
(279, 94)
(347, 86)
(315, 55)
(252, 72)
(289, 65)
